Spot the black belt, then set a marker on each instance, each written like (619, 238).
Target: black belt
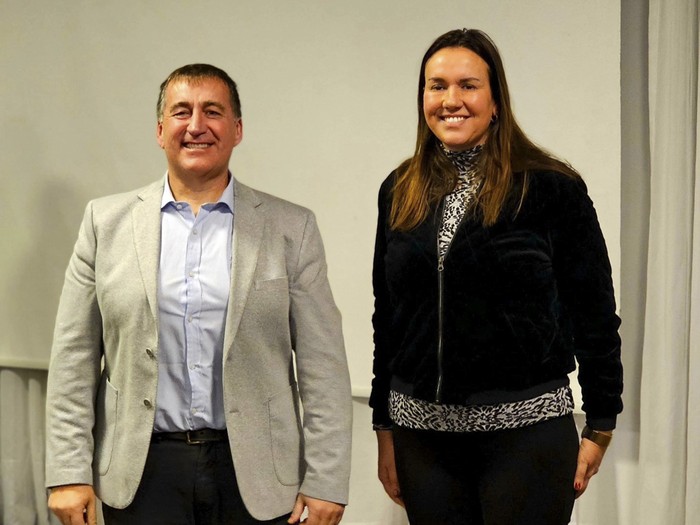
(192, 437)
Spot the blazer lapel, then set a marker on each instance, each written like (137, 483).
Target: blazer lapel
(146, 226)
(248, 227)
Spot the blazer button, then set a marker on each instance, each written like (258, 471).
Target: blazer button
(147, 403)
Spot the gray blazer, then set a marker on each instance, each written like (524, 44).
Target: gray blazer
(103, 372)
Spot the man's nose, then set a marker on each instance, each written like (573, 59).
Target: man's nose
(197, 124)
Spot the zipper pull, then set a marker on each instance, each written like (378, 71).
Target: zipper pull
(440, 265)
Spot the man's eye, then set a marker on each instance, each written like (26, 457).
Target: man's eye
(180, 114)
(212, 113)
(436, 87)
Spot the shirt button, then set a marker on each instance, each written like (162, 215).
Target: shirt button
(189, 319)
(149, 352)
(194, 232)
(191, 274)
(194, 410)
(147, 403)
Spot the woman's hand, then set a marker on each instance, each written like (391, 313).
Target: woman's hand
(590, 455)
(387, 465)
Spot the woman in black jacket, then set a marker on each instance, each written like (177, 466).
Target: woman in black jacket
(491, 277)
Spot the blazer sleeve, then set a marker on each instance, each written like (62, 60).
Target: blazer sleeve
(322, 371)
(584, 281)
(74, 368)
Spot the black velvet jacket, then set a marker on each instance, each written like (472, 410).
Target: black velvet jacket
(519, 300)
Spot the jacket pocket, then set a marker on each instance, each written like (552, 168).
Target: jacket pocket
(286, 436)
(105, 424)
(280, 283)
(533, 334)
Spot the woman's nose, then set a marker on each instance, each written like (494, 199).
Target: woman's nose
(451, 98)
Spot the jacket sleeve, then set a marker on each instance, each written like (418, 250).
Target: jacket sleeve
(584, 280)
(74, 368)
(322, 371)
(381, 319)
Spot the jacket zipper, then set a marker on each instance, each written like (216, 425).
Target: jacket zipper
(440, 268)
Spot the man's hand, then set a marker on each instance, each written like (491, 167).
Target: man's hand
(590, 455)
(387, 466)
(74, 504)
(321, 512)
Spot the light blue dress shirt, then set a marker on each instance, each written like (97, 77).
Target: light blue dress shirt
(193, 290)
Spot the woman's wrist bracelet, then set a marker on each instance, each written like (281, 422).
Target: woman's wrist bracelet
(599, 438)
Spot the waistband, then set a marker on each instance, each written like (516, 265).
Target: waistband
(192, 437)
(489, 397)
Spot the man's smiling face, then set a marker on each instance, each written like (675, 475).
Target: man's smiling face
(199, 128)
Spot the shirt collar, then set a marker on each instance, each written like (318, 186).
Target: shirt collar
(464, 161)
(226, 197)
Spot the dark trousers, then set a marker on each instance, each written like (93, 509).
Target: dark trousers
(187, 485)
(509, 477)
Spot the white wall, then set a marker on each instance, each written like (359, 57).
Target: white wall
(328, 93)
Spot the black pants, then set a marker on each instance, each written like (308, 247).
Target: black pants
(187, 485)
(508, 477)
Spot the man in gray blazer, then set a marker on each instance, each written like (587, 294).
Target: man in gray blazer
(198, 374)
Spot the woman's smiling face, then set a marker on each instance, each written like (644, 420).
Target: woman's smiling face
(457, 101)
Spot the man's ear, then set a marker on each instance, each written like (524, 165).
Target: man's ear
(239, 132)
(159, 134)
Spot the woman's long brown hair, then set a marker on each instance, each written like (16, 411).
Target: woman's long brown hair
(424, 179)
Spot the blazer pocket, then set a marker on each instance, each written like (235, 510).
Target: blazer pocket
(279, 283)
(105, 424)
(286, 436)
